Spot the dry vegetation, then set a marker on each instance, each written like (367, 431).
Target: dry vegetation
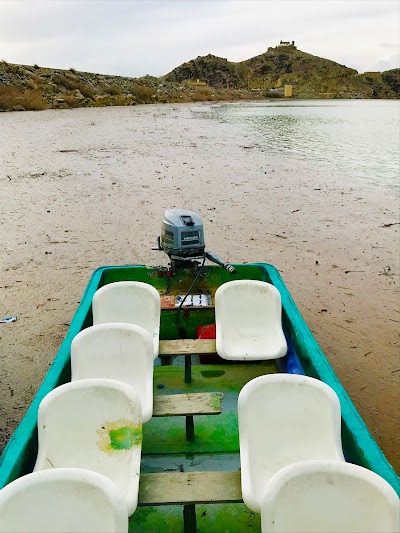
(12, 97)
(24, 87)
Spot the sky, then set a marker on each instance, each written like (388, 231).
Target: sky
(139, 37)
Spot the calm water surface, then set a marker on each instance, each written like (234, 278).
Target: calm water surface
(358, 139)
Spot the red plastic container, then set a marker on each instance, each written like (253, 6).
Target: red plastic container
(208, 332)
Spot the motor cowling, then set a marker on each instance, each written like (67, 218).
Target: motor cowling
(182, 234)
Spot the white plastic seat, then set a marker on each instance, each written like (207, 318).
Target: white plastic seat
(131, 302)
(116, 351)
(329, 497)
(248, 321)
(94, 424)
(60, 500)
(284, 419)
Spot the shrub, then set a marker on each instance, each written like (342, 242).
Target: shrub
(274, 94)
(112, 90)
(8, 96)
(37, 78)
(102, 100)
(71, 100)
(30, 99)
(181, 96)
(70, 84)
(142, 93)
(32, 84)
(85, 89)
(63, 81)
(123, 100)
(201, 94)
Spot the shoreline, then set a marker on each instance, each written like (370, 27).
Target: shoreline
(220, 101)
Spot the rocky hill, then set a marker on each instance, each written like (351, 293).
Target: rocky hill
(310, 76)
(214, 71)
(24, 87)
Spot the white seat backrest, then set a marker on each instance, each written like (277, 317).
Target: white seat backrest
(132, 302)
(248, 321)
(95, 424)
(60, 500)
(284, 419)
(116, 351)
(329, 497)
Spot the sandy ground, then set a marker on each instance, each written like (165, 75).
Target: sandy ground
(85, 188)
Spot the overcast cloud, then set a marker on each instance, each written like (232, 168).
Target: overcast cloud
(139, 37)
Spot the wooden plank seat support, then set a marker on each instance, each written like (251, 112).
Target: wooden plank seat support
(187, 348)
(189, 489)
(198, 403)
(184, 488)
(188, 405)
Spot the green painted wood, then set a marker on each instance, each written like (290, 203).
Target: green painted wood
(216, 434)
(214, 518)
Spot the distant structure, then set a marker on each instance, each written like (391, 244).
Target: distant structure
(288, 91)
(286, 43)
(196, 82)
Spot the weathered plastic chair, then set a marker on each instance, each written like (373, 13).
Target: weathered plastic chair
(283, 419)
(131, 302)
(116, 351)
(248, 321)
(94, 424)
(329, 497)
(60, 500)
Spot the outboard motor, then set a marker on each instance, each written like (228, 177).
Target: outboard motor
(182, 239)
(182, 234)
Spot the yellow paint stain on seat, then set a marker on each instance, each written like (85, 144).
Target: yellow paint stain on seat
(119, 435)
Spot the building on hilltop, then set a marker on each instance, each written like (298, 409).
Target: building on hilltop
(286, 43)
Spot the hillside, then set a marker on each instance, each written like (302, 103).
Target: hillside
(25, 87)
(207, 78)
(214, 71)
(310, 76)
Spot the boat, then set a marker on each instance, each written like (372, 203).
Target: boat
(194, 444)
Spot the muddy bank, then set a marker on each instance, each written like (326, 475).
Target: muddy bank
(87, 187)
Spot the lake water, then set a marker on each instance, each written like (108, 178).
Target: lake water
(358, 139)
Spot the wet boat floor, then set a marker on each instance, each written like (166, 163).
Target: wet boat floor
(215, 447)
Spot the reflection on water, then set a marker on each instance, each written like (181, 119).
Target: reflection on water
(358, 138)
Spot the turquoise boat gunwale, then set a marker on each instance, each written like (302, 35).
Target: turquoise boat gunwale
(359, 445)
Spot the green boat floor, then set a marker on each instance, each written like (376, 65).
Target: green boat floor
(190, 462)
(216, 518)
(215, 447)
(213, 434)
